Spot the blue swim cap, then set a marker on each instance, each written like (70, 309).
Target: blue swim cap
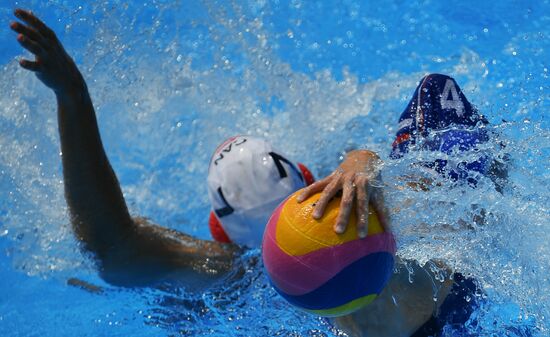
(440, 118)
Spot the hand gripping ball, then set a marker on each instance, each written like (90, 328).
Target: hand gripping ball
(320, 271)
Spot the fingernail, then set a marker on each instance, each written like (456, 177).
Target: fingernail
(316, 214)
(339, 229)
(362, 233)
(17, 12)
(300, 198)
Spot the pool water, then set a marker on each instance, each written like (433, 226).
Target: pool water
(172, 79)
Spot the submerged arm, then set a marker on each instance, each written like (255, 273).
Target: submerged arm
(98, 211)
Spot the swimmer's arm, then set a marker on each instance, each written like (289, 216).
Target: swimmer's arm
(413, 294)
(153, 253)
(97, 208)
(99, 214)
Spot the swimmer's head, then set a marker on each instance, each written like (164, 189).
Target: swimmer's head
(247, 179)
(438, 104)
(439, 118)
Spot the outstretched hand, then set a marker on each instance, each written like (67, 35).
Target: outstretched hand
(52, 65)
(359, 179)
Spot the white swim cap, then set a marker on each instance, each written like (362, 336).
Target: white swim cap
(247, 180)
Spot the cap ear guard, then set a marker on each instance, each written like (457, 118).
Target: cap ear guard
(216, 229)
(306, 173)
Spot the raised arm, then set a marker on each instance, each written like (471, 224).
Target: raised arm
(99, 215)
(91, 188)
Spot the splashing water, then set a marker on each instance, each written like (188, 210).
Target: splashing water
(170, 80)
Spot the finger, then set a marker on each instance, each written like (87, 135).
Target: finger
(328, 193)
(30, 45)
(362, 210)
(316, 187)
(35, 22)
(30, 65)
(346, 204)
(379, 205)
(26, 31)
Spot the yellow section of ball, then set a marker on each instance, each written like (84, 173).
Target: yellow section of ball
(298, 233)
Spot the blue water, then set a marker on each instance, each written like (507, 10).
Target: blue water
(171, 79)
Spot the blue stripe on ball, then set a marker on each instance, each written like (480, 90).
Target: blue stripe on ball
(346, 286)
